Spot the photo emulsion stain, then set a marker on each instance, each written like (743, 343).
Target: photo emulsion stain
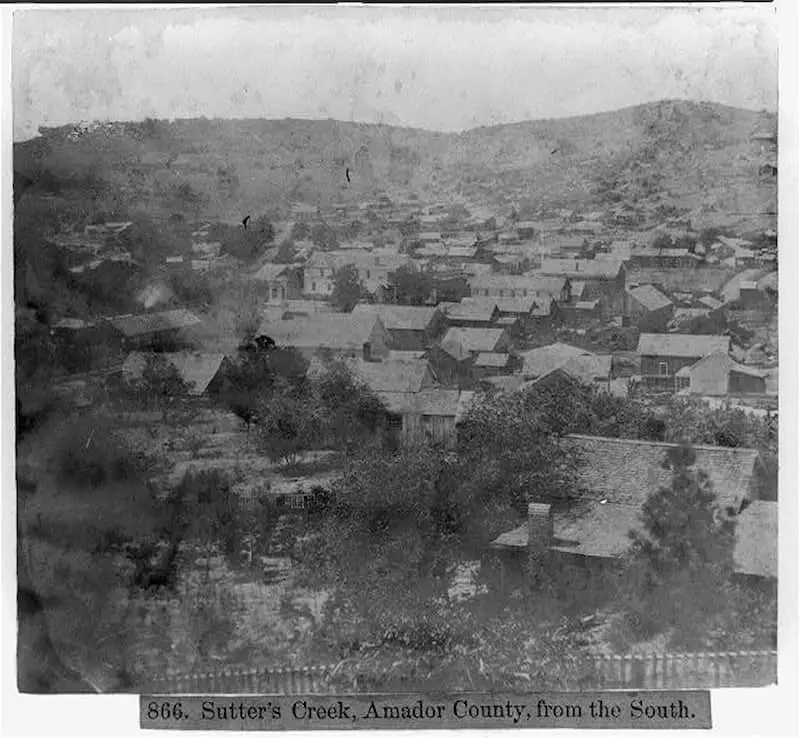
(362, 351)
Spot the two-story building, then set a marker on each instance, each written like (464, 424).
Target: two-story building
(603, 279)
(663, 355)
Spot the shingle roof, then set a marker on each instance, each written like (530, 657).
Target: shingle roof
(756, 549)
(588, 368)
(399, 317)
(196, 369)
(625, 471)
(432, 402)
(650, 297)
(394, 376)
(324, 330)
(539, 361)
(675, 344)
(472, 339)
(138, 325)
(589, 529)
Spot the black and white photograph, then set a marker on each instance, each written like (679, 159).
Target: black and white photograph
(396, 349)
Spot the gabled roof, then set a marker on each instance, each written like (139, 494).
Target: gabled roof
(269, 272)
(625, 472)
(338, 331)
(584, 269)
(399, 317)
(723, 364)
(676, 344)
(588, 368)
(140, 325)
(394, 376)
(515, 305)
(471, 340)
(432, 402)
(650, 297)
(195, 368)
(471, 309)
(539, 361)
(756, 549)
(589, 529)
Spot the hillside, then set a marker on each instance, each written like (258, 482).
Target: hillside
(689, 154)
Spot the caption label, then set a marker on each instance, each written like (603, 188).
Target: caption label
(615, 710)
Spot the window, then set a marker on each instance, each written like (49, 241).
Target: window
(394, 422)
(502, 293)
(524, 293)
(274, 292)
(313, 286)
(367, 273)
(662, 368)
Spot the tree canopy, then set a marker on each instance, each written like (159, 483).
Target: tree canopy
(347, 288)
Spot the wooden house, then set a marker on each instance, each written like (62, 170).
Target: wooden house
(615, 477)
(719, 375)
(279, 282)
(427, 417)
(648, 308)
(663, 355)
(410, 328)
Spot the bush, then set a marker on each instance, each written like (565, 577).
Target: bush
(89, 454)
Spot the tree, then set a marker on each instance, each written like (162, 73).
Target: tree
(323, 236)
(347, 288)
(686, 243)
(161, 383)
(252, 376)
(663, 241)
(410, 286)
(352, 412)
(289, 423)
(262, 230)
(300, 231)
(683, 557)
(511, 443)
(285, 253)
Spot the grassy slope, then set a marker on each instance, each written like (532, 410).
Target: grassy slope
(696, 153)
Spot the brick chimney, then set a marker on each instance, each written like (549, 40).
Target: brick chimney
(540, 532)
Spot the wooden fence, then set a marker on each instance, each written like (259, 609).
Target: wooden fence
(635, 671)
(679, 670)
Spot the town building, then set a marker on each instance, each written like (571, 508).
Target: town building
(280, 282)
(648, 308)
(428, 417)
(663, 355)
(168, 330)
(411, 328)
(719, 375)
(330, 334)
(614, 479)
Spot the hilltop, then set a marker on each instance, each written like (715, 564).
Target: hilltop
(689, 154)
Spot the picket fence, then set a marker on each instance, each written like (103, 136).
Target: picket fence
(707, 670)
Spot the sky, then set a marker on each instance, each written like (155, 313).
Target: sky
(440, 69)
